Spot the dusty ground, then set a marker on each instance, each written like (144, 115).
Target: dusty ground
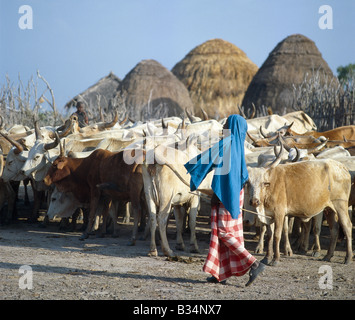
(106, 268)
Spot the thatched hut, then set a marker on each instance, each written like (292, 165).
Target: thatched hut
(217, 74)
(288, 64)
(99, 95)
(150, 91)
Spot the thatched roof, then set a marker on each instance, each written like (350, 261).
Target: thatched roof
(150, 91)
(286, 65)
(217, 74)
(99, 94)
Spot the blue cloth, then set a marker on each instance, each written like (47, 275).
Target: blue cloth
(228, 160)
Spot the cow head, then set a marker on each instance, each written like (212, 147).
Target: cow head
(58, 171)
(62, 204)
(15, 159)
(36, 159)
(259, 182)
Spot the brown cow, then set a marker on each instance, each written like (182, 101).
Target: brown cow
(85, 178)
(303, 190)
(340, 133)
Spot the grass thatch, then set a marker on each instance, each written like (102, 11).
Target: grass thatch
(287, 65)
(150, 91)
(99, 95)
(217, 74)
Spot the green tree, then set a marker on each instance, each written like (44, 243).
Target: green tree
(346, 73)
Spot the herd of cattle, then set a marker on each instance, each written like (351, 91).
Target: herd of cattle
(295, 174)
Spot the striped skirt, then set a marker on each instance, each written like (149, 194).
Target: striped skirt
(227, 255)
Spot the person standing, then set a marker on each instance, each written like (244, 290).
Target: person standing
(80, 112)
(227, 255)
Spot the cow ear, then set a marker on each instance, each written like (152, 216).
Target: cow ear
(61, 164)
(61, 174)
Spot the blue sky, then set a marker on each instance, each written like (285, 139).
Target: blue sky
(74, 43)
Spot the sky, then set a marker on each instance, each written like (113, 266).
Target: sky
(74, 43)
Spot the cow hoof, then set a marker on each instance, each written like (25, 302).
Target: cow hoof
(327, 258)
(180, 247)
(153, 253)
(265, 260)
(169, 253)
(259, 250)
(83, 236)
(274, 263)
(194, 250)
(316, 254)
(347, 260)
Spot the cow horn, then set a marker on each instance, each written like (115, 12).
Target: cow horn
(284, 143)
(298, 155)
(317, 148)
(251, 138)
(241, 112)
(112, 123)
(66, 127)
(189, 115)
(18, 146)
(263, 133)
(37, 131)
(254, 111)
(124, 120)
(163, 124)
(278, 158)
(204, 113)
(53, 144)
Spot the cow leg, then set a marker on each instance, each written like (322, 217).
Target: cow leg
(153, 252)
(270, 250)
(288, 250)
(317, 226)
(163, 216)
(179, 213)
(137, 213)
(260, 247)
(306, 229)
(92, 214)
(279, 225)
(334, 230)
(105, 211)
(127, 216)
(114, 212)
(192, 224)
(25, 184)
(345, 222)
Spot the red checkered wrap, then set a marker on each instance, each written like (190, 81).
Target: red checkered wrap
(227, 255)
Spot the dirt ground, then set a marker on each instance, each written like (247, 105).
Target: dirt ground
(65, 268)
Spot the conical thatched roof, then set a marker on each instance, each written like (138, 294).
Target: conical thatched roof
(287, 65)
(101, 93)
(217, 74)
(150, 91)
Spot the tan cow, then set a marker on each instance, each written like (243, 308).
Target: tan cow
(302, 189)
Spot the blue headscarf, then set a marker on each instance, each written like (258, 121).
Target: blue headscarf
(228, 160)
